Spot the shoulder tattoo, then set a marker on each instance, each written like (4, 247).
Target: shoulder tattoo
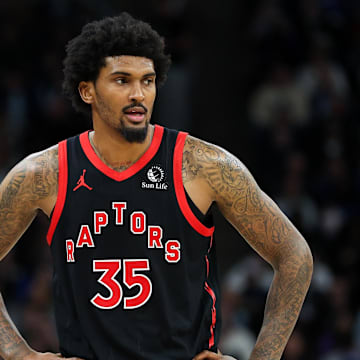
(45, 177)
(236, 192)
(223, 172)
(21, 192)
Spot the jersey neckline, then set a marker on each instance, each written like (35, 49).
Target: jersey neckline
(134, 168)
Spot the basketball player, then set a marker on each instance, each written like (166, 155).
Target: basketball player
(130, 230)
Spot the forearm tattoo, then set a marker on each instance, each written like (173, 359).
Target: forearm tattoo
(266, 229)
(11, 343)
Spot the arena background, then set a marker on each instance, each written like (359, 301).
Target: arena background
(274, 82)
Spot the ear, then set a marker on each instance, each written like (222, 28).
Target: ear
(86, 91)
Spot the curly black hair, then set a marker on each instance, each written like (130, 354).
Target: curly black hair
(111, 36)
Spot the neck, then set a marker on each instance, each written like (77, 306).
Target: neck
(115, 151)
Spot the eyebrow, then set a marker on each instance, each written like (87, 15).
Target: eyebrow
(128, 74)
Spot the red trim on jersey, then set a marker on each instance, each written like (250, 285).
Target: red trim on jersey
(62, 187)
(210, 291)
(211, 242)
(133, 169)
(207, 266)
(180, 191)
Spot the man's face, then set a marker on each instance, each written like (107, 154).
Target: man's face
(124, 95)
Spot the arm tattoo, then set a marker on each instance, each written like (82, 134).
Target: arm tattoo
(8, 196)
(189, 168)
(11, 342)
(29, 183)
(45, 177)
(266, 229)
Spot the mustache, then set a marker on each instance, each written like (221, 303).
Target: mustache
(126, 108)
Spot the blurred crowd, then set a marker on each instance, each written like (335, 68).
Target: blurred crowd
(274, 82)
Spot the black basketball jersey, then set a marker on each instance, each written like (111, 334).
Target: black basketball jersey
(134, 270)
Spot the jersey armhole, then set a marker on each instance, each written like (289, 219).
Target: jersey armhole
(180, 191)
(62, 188)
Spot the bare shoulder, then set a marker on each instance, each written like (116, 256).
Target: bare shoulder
(239, 198)
(225, 174)
(31, 185)
(43, 170)
(33, 179)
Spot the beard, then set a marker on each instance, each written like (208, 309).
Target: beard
(133, 135)
(130, 134)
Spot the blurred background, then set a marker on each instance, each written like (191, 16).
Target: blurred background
(274, 82)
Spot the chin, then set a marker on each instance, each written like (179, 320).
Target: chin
(135, 133)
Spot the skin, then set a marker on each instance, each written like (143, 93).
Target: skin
(29, 187)
(112, 92)
(210, 174)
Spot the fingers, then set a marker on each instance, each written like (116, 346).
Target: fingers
(72, 358)
(207, 355)
(48, 356)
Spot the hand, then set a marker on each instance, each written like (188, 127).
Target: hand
(209, 355)
(47, 356)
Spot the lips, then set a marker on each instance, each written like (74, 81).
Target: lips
(135, 114)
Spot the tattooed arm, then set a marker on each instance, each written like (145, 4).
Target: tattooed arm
(215, 175)
(29, 187)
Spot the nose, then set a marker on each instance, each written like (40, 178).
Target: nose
(136, 93)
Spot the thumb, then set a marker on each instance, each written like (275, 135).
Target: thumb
(207, 355)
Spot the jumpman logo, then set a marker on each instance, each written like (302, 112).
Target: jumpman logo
(81, 182)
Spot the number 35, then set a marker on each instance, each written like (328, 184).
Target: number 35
(131, 278)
